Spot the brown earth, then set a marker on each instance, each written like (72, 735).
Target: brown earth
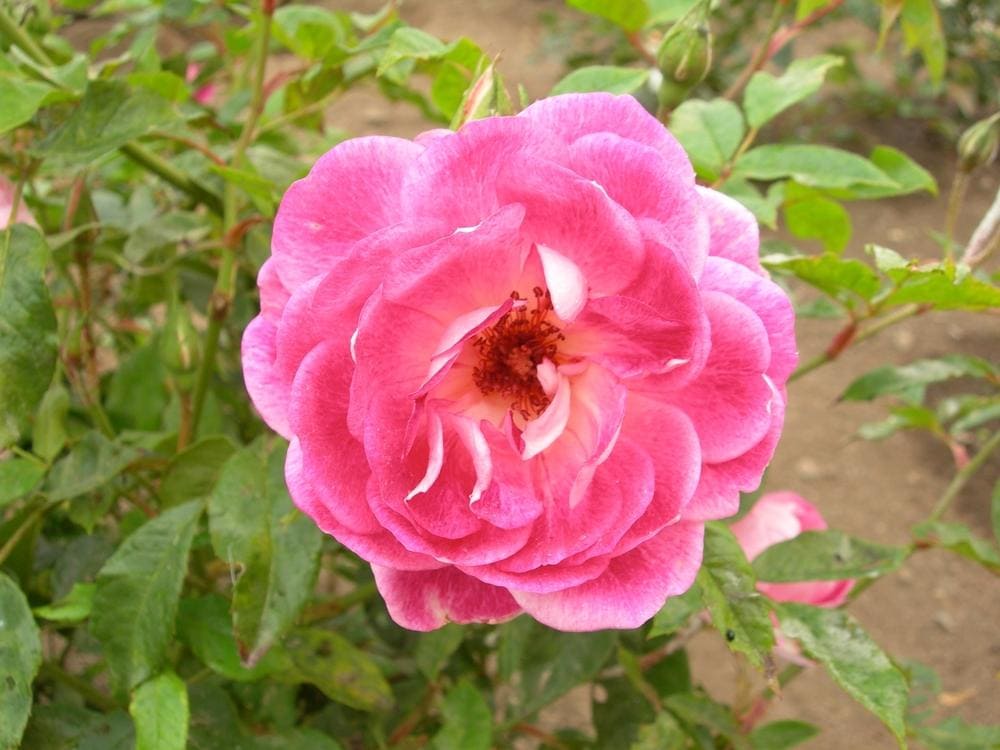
(940, 609)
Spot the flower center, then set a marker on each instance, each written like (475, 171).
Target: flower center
(510, 351)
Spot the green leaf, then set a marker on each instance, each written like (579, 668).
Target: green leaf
(310, 32)
(255, 526)
(610, 78)
(192, 473)
(631, 15)
(780, 735)
(835, 639)
(710, 132)
(137, 593)
(941, 287)
(109, 116)
(550, 663)
(18, 477)
(766, 96)
(339, 669)
(728, 588)
(701, 710)
(159, 708)
(675, 613)
(909, 176)
(763, 207)
(66, 726)
(955, 734)
(436, 647)
(840, 278)
(960, 539)
(466, 718)
(204, 626)
(455, 82)
(619, 717)
(663, 734)
(814, 166)
(76, 606)
(20, 658)
(27, 330)
(21, 99)
(811, 215)
(909, 381)
(826, 556)
(91, 463)
(922, 31)
(48, 436)
(408, 43)
(137, 394)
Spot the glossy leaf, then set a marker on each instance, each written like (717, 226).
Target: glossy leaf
(663, 734)
(610, 78)
(48, 436)
(436, 647)
(309, 31)
(959, 538)
(815, 166)
(137, 593)
(629, 14)
(255, 526)
(408, 43)
(21, 99)
(159, 708)
(811, 215)
(74, 607)
(836, 640)
(842, 278)
(337, 667)
(27, 330)
(205, 626)
(827, 556)
(467, 720)
(909, 381)
(694, 709)
(18, 477)
(90, 464)
(110, 115)
(728, 588)
(20, 658)
(192, 473)
(909, 176)
(940, 287)
(780, 735)
(767, 96)
(675, 613)
(709, 131)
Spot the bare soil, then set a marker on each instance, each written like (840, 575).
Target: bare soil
(940, 610)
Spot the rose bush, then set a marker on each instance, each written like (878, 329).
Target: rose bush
(521, 364)
(777, 517)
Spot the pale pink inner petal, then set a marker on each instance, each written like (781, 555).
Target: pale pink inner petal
(565, 281)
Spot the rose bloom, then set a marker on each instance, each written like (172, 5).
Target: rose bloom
(23, 216)
(521, 364)
(777, 517)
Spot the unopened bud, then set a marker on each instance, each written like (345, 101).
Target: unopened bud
(978, 145)
(685, 55)
(179, 345)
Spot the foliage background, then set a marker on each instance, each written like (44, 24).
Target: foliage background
(152, 259)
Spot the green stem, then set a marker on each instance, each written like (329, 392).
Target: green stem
(23, 39)
(761, 55)
(963, 476)
(92, 695)
(225, 282)
(169, 173)
(20, 531)
(955, 197)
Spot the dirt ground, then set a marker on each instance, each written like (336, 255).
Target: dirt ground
(940, 610)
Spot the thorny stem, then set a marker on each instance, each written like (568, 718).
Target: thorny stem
(225, 282)
(90, 694)
(761, 55)
(963, 476)
(959, 184)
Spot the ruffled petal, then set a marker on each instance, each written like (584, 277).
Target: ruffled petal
(734, 234)
(431, 599)
(631, 590)
(354, 190)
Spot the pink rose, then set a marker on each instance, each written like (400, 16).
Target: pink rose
(23, 215)
(204, 95)
(521, 364)
(778, 517)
